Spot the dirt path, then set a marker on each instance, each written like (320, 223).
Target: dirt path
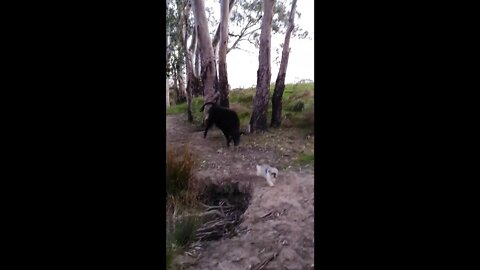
(278, 227)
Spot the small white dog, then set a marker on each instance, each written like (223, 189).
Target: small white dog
(270, 173)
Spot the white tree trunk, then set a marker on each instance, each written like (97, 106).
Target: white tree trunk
(216, 38)
(260, 102)
(197, 62)
(208, 59)
(191, 79)
(168, 94)
(282, 72)
(167, 88)
(222, 54)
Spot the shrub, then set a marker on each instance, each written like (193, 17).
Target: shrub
(297, 106)
(169, 255)
(306, 158)
(185, 229)
(181, 186)
(179, 235)
(243, 96)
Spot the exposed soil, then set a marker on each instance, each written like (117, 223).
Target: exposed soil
(277, 231)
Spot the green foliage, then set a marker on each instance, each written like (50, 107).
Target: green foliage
(297, 106)
(181, 108)
(177, 108)
(185, 230)
(306, 158)
(245, 20)
(176, 53)
(241, 101)
(244, 96)
(179, 236)
(169, 256)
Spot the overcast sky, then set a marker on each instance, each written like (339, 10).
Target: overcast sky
(242, 66)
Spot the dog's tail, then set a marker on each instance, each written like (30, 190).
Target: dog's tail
(213, 103)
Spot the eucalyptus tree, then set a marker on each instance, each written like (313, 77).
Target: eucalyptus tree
(209, 72)
(258, 120)
(175, 59)
(282, 71)
(223, 87)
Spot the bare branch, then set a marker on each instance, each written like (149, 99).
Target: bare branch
(216, 38)
(251, 32)
(235, 43)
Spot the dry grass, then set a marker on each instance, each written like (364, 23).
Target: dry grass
(181, 187)
(182, 190)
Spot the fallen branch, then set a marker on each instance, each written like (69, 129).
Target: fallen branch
(266, 215)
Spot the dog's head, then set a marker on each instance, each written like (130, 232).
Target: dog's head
(273, 172)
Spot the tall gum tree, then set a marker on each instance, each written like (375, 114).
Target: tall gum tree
(209, 69)
(223, 88)
(166, 75)
(188, 57)
(282, 71)
(258, 121)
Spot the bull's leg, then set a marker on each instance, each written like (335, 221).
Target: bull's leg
(228, 137)
(209, 125)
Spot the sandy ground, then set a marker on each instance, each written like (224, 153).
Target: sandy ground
(278, 227)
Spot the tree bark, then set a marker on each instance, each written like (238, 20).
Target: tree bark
(188, 57)
(197, 88)
(191, 78)
(183, 7)
(197, 61)
(222, 54)
(194, 78)
(168, 94)
(167, 88)
(209, 71)
(258, 121)
(175, 86)
(216, 38)
(181, 86)
(282, 71)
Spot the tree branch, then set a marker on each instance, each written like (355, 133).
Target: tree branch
(235, 43)
(252, 31)
(216, 38)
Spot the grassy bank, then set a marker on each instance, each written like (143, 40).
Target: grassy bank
(182, 191)
(298, 105)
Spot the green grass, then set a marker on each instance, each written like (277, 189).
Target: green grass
(180, 237)
(177, 108)
(185, 231)
(170, 255)
(306, 158)
(182, 191)
(241, 101)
